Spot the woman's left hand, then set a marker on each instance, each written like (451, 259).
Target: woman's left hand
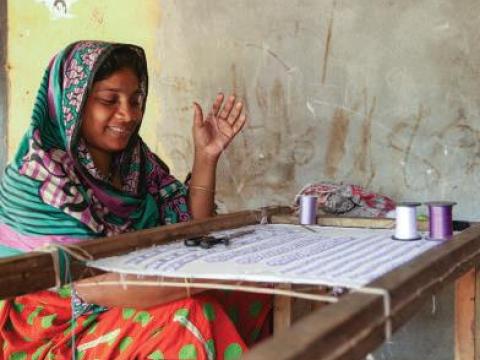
(214, 133)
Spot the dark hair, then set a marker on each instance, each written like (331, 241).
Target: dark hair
(123, 57)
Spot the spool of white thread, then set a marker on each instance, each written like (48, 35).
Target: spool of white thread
(406, 222)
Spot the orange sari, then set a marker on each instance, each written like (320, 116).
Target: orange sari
(214, 325)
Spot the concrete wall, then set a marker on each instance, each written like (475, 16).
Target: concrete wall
(380, 93)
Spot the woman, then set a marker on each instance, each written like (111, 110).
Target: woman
(82, 171)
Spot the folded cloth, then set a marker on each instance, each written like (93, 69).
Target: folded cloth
(348, 199)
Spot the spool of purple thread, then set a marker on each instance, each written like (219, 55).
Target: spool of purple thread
(308, 209)
(440, 220)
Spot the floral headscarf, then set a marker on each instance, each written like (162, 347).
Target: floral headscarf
(52, 186)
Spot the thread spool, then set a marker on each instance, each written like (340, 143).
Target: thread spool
(308, 209)
(406, 222)
(440, 220)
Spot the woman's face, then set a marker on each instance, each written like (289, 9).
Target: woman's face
(112, 112)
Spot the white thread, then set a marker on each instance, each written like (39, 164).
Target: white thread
(56, 263)
(74, 251)
(406, 222)
(264, 216)
(386, 306)
(122, 281)
(199, 285)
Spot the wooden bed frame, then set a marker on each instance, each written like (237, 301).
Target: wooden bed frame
(348, 329)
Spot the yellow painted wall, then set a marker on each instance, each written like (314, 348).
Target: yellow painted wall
(34, 36)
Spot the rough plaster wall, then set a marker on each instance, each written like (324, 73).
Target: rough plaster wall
(379, 93)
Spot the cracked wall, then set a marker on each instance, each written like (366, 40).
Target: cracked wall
(383, 95)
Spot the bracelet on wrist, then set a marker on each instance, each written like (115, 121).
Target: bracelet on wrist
(202, 188)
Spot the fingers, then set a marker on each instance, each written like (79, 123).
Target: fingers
(231, 120)
(217, 104)
(227, 108)
(227, 120)
(231, 111)
(231, 130)
(235, 113)
(239, 124)
(197, 115)
(225, 129)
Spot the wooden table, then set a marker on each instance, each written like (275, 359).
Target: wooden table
(355, 326)
(349, 329)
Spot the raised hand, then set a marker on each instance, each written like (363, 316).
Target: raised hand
(212, 134)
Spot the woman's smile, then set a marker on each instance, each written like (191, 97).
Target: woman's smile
(120, 131)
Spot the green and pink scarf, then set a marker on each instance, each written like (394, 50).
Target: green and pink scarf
(51, 191)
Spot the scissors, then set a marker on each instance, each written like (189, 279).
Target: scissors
(207, 241)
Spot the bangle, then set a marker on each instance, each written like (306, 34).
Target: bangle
(202, 188)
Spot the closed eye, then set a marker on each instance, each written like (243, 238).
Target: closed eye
(107, 101)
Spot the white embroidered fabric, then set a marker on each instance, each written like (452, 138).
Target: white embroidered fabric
(278, 253)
